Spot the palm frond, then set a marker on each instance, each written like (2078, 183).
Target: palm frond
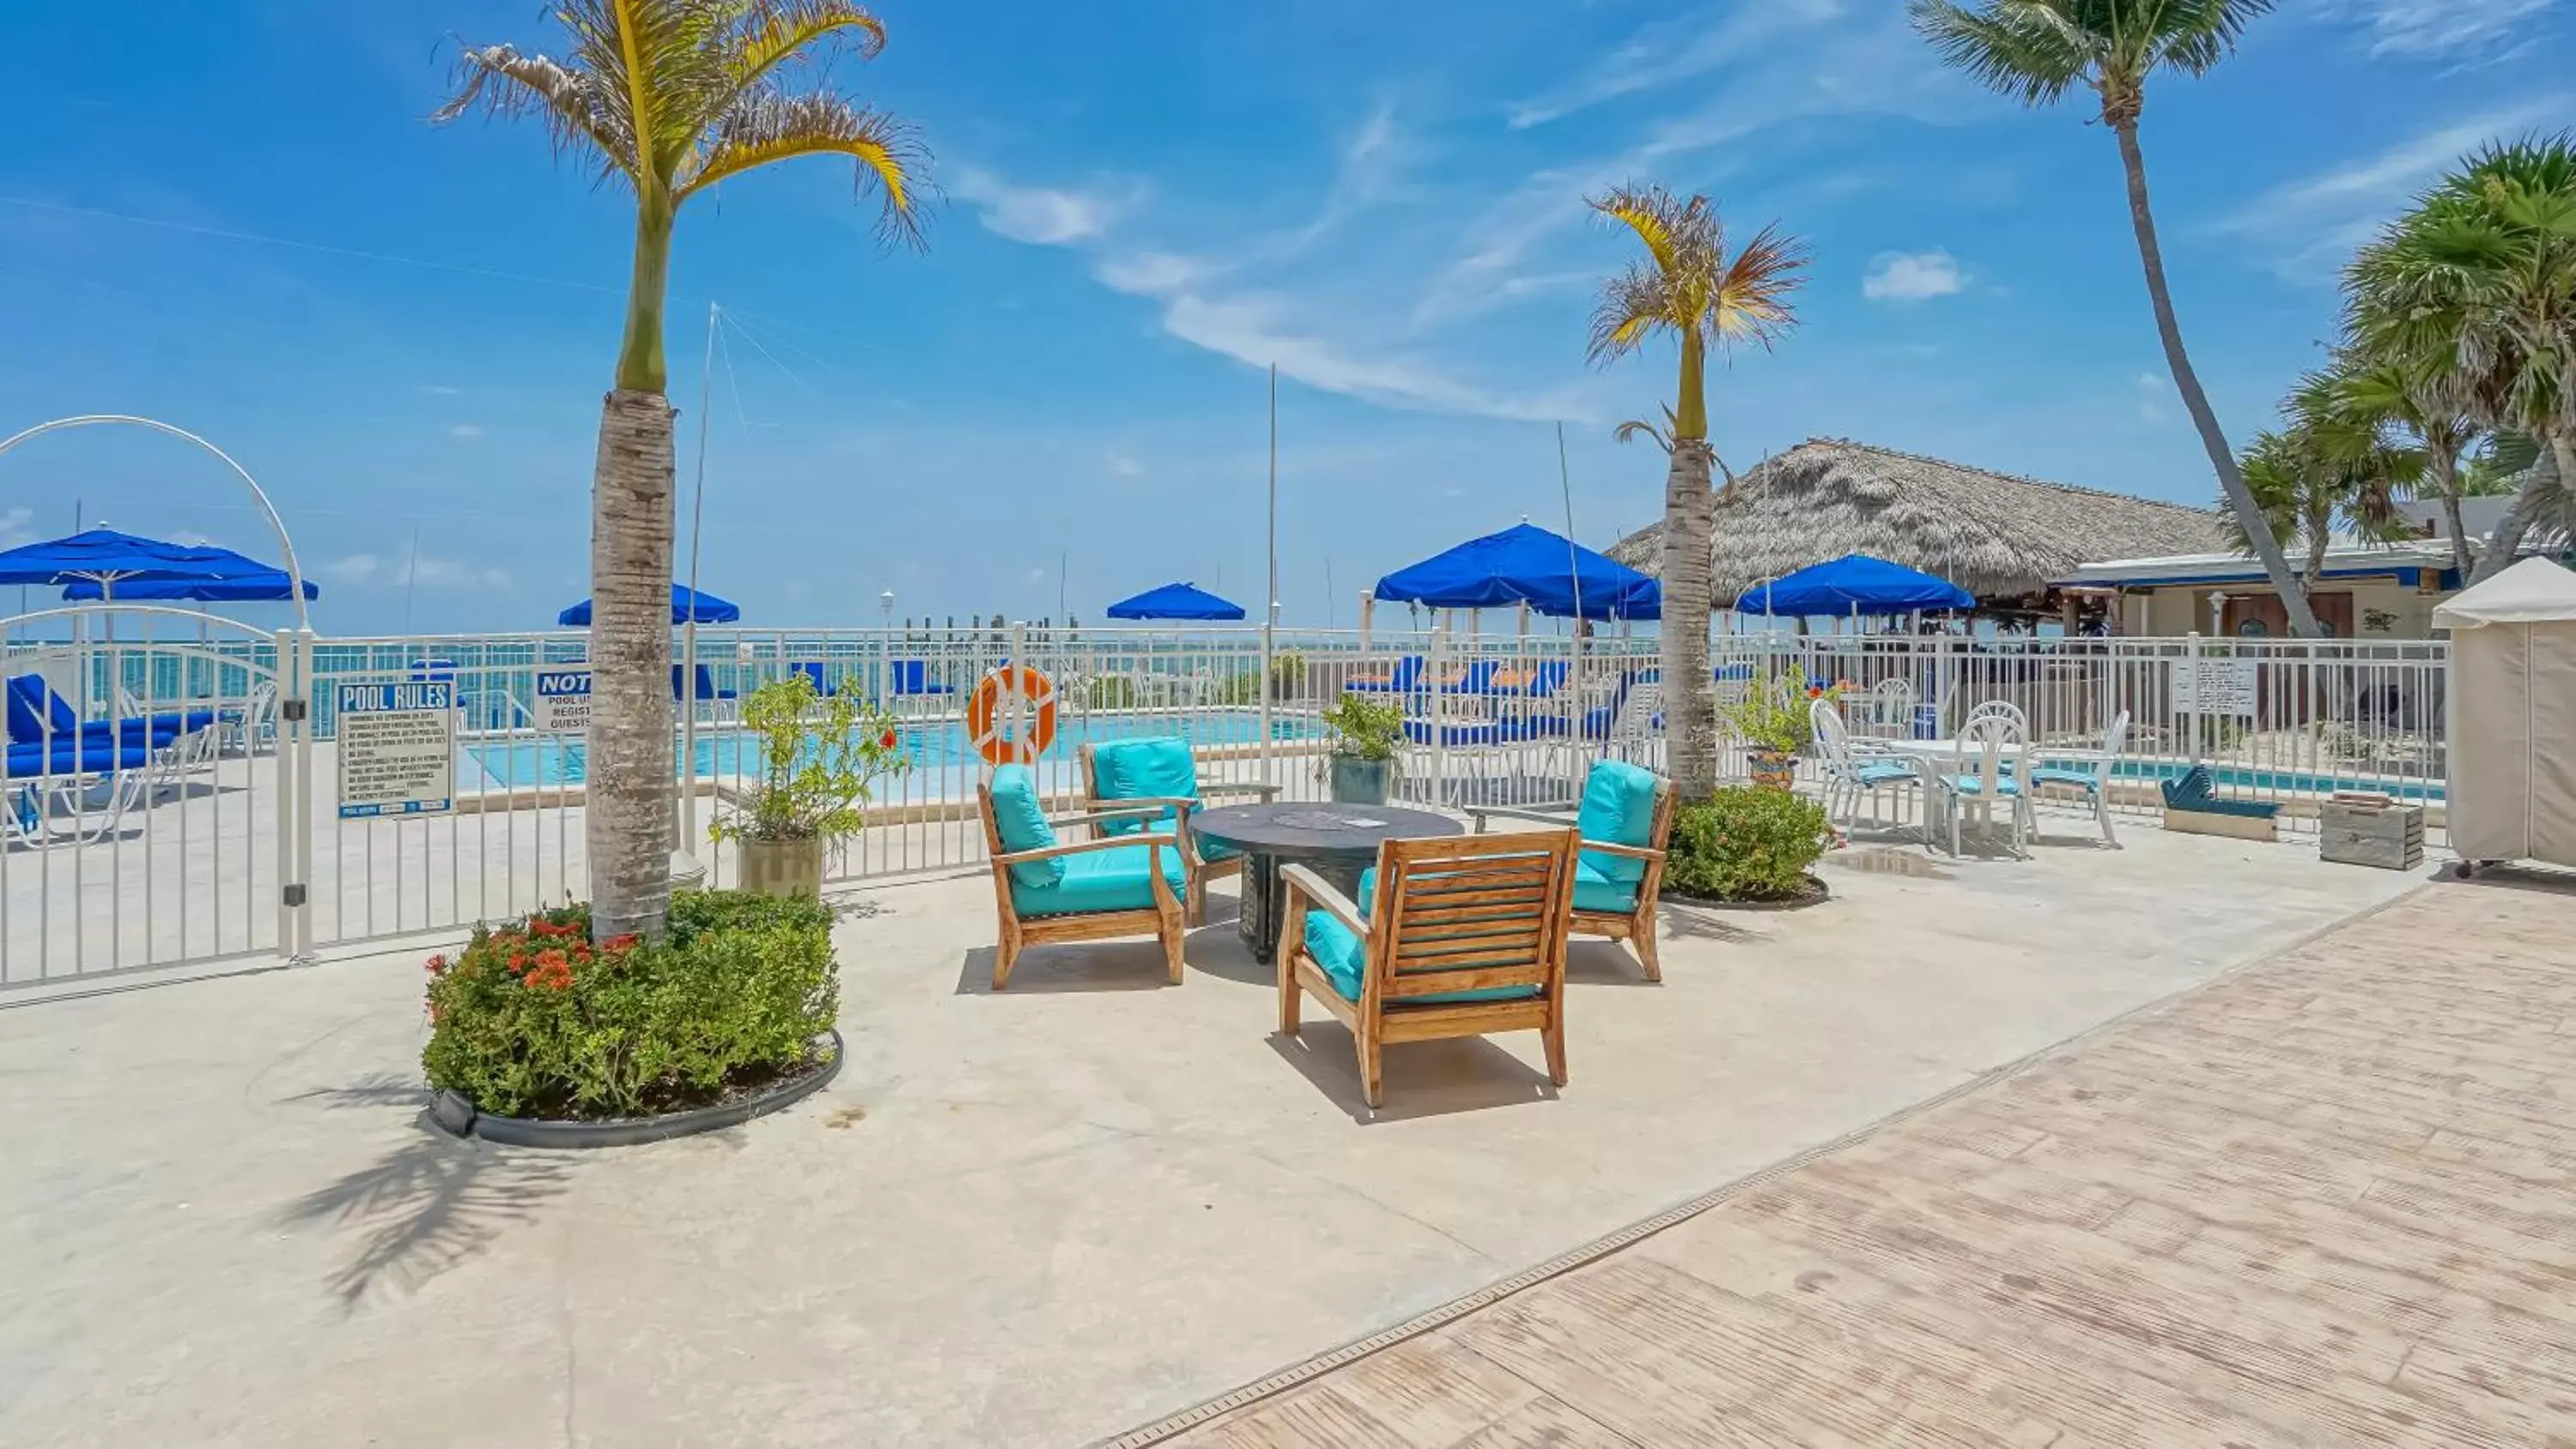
(2027, 49)
(1669, 226)
(1749, 299)
(764, 127)
(2193, 36)
(1634, 304)
(772, 33)
(503, 83)
(1635, 428)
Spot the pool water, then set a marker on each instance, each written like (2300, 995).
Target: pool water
(932, 746)
(2269, 783)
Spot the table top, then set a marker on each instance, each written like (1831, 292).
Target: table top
(1319, 830)
(1949, 750)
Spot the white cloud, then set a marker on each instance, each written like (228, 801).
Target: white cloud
(1251, 331)
(402, 569)
(1670, 51)
(17, 526)
(439, 389)
(1125, 466)
(1036, 576)
(468, 431)
(1150, 274)
(2442, 28)
(2314, 223)
(2154, 391)
(1040, 215)
(1912, 276)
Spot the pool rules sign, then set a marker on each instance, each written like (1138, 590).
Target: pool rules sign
(397, 749)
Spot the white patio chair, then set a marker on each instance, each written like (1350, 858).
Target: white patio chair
(1848, 774)
(2093, 777)
(1993, 764)
(1891, 705)
(2004, 708)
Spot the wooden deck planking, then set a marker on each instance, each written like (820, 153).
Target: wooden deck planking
(2330, 1200)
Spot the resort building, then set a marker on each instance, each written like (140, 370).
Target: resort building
(2367, 590)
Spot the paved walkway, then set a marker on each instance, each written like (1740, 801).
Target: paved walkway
(2325, 1201)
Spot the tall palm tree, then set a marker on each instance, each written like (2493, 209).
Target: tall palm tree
(2313, 481)
(1690, 287)
(667, 99)
(2477, 287)
(2038, 50)
(2372, 398)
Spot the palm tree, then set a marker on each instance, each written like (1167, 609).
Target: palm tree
(1689, 286)
(2312, 481)
(2476, 287)
(2373, 398)
(2037, 50)
(669, 98)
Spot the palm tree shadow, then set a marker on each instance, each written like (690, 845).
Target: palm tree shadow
(425, 1207)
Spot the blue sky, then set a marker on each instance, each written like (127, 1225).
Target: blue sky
(239, 221)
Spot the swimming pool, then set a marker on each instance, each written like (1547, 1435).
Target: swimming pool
(931, 746)
(2268, 783)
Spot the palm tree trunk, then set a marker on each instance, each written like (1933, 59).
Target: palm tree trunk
(2222, 456)
(2446, 482)
(1690, 708)
(627, 794)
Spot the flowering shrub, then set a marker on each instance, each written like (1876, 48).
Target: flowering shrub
(534, 1019)
(1746, 844)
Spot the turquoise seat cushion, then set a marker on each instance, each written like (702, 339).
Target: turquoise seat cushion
(1022, 825)
(1594, 891)
(1100, 880)
(1143, 769)
(1881, 772)
(1972, 785)
(1618, 808)
(2063, 775)
(1216, 849)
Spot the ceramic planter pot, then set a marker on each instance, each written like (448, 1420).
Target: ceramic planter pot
(783, 868)
(1774, 769)
(1362, 782)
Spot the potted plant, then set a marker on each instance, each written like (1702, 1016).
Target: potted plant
(1772, 721)
(819, 758)
(1368, 748)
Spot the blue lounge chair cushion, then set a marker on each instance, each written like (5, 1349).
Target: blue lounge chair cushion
(1618, 809)
(1143, 769)
(1022, 825)
(2063, 775)
(39, 716)
(1594, 891)
(1344, 957)
(1973, 785)
(67, 757)
(1101, 880)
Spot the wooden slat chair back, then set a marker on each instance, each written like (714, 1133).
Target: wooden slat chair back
(1633, 922)
(1463, 936)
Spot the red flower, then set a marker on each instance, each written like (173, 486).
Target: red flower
(437, 965)
(886, 740)
(553, 972)
(518, 964)
(620, 944)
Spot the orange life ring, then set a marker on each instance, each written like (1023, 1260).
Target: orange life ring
(987, 712)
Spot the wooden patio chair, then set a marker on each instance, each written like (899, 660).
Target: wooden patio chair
(1139, 785)
(1625, 819)
(1092, 890)
(1460, 936)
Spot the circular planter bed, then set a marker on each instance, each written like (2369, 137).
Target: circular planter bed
(451, 1112)
(1814, 892)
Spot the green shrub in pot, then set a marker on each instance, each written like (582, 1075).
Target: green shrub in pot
(1367, 749)
(819, 760)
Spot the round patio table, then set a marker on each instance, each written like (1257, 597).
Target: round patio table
(1336, 841)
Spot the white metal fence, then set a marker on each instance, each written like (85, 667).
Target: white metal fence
(230, 838)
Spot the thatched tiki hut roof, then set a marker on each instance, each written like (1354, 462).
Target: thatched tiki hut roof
(1995, 535)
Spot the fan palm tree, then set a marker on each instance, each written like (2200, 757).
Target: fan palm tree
(2315, 479)
(1690, 287)
(2476, 287)
(2038, 50)
(667, 99)
(2370, 399)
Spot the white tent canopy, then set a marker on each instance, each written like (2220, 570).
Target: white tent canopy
(2512, 716)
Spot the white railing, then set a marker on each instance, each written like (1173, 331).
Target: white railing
(211, 850)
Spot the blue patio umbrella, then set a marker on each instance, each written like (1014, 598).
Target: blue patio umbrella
(265, 585)
(686, 607)
(1175, 601)
(1527, 564)
(1853, 584)
(111, 560)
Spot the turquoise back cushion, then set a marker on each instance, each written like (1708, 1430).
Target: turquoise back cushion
(1618, 807)
(1143, 769)
(1022, 824)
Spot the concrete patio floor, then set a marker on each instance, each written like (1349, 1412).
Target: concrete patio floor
(1041, 1217)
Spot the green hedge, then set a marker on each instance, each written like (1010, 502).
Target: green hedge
(1746, 844)
(536, 1020)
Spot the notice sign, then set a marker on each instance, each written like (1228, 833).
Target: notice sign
(397, 747)
(2214, 686)
(563, 701)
